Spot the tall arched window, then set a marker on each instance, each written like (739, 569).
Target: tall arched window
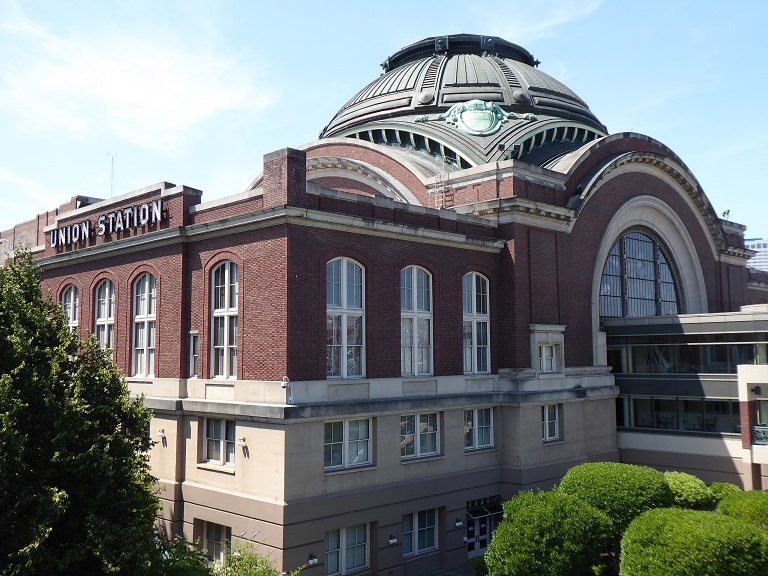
(638, 280)
(224, 320)
(415, 321)
(70, 303)
(477, 324)
(345, 320)
(144, 310)
(104, 317)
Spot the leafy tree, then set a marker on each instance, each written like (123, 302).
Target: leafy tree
(178, 557)
(720, 490)
(677, 542)
(76, 493)
(547, 534)
(689, 491)
(751, 507)
(622, 491)
(241, 559)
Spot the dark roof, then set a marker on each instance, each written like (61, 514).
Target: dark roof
(428, 77)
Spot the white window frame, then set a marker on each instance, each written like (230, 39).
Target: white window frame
(344, 543)
(416, 350)
(144, 325)
(345, 318)
(419, 529)
(478, 436)
(476, 306)
(219, 441)
(550, 422)
(104, 314)
(224, 324)
(548, 358)
(345, 436)
(419, 431)
(194, 354)
(217, 540)
(70, 304)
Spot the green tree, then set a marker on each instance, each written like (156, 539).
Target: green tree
(689, 491)
(678, 542)
(547, 534)
(622, 491)
(751, 507)
(76, 493)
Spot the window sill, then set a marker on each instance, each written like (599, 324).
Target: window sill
(349, 470)
(422, 554)
(550, 375)
(216, 468)
(554, 441)
(415, 459)
(481, 450)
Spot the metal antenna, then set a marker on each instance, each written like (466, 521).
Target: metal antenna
(112, 187)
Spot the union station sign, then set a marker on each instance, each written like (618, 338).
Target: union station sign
(148, 213)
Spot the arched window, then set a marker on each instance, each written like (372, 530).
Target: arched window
(70, 303)
(638, 280)
(224, 320)
(345, 320)
(415, 321)
(477, 324)
(144, 310)
(104, 317)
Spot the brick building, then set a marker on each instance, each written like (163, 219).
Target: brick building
(398, 326)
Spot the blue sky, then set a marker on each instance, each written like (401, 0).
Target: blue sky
(196, 92)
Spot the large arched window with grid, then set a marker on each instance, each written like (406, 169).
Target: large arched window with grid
(224, 320)
(104, 317)
(345, 318)
(415, 321)
(477, 324)
(638, 279)
(70, 303)
(144, 316)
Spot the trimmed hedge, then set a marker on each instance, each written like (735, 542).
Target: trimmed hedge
(677, 542)
(622, 491)
(688, 490)
(547, 534)
(720, 490)
(750, 507)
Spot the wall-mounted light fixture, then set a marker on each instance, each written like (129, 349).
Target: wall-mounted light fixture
(459, 523)
(757, 391)
(241, 441)
(392, 540)
(312, 560)
(161, 433)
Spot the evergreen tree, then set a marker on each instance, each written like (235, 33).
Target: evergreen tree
(76, 493)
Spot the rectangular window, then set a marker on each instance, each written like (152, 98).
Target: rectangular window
(550, 422)
(220, 441)
(194, 355)
(346, 549)
(419, 435)
(478, 428)
(217, 540)
(347, 444)
(547, 358)
(419, 532)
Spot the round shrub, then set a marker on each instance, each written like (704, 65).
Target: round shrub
(720, 490)
(622, 491)
(688, 490)
(677, 542)
(547, 534)
(751, 507)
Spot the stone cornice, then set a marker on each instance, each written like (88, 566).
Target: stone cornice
(523, 211)
(275, 217)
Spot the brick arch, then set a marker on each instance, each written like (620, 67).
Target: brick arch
(657, 216)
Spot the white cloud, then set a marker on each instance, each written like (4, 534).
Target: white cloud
(150, 89)
(526, 21)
